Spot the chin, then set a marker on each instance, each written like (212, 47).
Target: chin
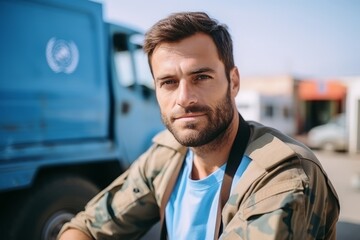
(186, 137)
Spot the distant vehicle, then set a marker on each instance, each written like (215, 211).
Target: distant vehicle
(331, 136)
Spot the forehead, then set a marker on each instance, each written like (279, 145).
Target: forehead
(196, 49)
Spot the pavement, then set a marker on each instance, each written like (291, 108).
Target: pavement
(343, 170)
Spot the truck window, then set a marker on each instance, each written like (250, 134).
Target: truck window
(141, 63)
(142, 68)
(123, 61)
(130, 61)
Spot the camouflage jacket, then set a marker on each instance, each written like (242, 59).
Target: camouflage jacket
(283, 194)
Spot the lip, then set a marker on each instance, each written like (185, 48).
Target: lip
(189, 116)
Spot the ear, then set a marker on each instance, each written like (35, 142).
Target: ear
(234, 81)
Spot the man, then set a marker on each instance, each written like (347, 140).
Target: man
(211, 175)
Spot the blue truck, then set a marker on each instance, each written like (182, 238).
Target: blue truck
(76, 109)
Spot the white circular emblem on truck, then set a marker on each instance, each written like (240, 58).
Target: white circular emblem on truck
(62, 55)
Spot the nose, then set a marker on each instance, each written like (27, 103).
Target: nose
(186, 94)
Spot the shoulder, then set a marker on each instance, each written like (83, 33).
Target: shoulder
(284, 180)
(269, 147)
(276, 154)
(280, 164)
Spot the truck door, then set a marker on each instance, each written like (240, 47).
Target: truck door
(136, 113)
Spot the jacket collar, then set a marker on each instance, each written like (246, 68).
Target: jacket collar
(165, 138)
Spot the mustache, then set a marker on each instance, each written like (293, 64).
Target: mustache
(190, 109)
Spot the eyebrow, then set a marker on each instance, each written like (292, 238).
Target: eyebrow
(193, 72)
(202, 70)
(165, 77)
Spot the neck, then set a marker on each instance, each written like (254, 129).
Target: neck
(210, 157)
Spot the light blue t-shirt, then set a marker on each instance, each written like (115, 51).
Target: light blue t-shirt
(192, 207)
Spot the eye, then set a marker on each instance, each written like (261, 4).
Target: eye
(202, 77)
(169, 82)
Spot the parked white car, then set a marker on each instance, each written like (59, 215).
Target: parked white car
(331, 136)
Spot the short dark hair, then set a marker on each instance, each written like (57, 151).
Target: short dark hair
(181, 25)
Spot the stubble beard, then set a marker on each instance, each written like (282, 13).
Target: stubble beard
(218, 122)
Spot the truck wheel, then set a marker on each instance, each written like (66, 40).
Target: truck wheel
(50, 206)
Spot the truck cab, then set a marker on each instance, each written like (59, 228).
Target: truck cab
(77, 107)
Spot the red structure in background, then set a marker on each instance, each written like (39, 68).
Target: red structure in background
(321, 90)
(319, 101)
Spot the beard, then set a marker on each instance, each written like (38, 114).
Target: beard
(200, 134)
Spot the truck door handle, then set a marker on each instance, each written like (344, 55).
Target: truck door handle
(125, 107)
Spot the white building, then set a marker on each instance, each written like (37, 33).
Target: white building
(271, 110)
(353, 113)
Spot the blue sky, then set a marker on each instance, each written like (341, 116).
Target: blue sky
(305, 38)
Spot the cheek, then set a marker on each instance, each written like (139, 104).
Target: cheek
(217, 93)
(163, 101)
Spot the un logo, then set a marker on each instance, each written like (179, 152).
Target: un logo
(62, 55)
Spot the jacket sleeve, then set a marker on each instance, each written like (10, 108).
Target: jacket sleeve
(127, 208)
(292, 201)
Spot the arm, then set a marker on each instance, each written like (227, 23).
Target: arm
(127, 208)
(74, 234)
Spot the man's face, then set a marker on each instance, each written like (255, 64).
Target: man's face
(194, 95)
